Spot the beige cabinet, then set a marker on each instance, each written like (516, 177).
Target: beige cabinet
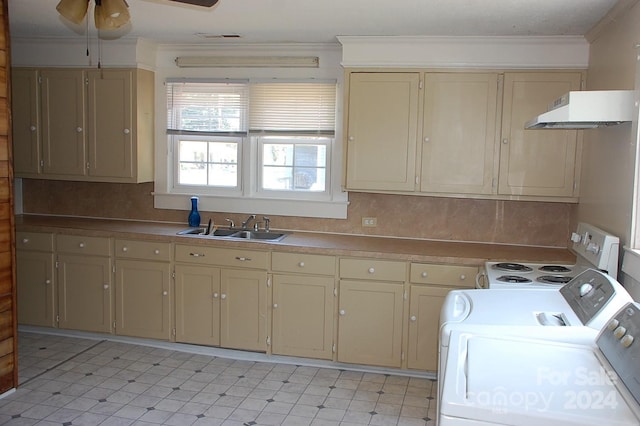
(303, 305)
(459, 133)
(371, 312)
(143, 289)
(239, 308)
(75, 124)
(537, 162)
(35, 278)
(430, 284)
(382, 130)
(85, 291)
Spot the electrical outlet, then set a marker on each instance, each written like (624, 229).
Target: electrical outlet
(369, 221)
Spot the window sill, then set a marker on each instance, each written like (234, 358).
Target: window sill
(335, 209)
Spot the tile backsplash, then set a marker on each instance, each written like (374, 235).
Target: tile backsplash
(510, 222)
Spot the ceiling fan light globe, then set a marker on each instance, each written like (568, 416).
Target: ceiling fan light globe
(73, 10)
(111, 14)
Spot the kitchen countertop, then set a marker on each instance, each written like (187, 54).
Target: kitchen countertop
(416, 250)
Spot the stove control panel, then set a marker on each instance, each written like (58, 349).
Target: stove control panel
(588, 293)
(619, 343)
(598, 247)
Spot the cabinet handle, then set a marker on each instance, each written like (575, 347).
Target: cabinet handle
(25, 240)
(215, 295)
(505, 141)
(243, 259)
(79, 129)
(413, 318)
(196, 254)
(81, 245)
(32, 128)
(125, 249)
(165, 293)
(351, 138)
(463, 277)
(342, 312)
(371, 270)
(223, 296)
(426, 140)
(105, 286)
(275, 306)
(126, 131)
(301, 264)
(424, 274)
(156, 251)
(47, 281)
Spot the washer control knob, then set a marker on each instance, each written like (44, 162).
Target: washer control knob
(613, 324)
(585, 289)
(619, 332)
(626, 341)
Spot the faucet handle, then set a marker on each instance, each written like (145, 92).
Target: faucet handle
(267, 223)
(231, 223)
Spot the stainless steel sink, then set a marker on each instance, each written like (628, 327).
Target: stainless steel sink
(236, 234)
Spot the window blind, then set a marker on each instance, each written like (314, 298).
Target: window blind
(293, 107)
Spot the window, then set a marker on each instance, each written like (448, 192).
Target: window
(253, 140)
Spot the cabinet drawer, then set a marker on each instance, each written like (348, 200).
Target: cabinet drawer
(146, 250)
(303, 263)
(449, 275)
(369, 269)
(222, 256)
(34, 241)
(76, 244)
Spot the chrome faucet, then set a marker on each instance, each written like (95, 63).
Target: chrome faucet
(267, 223)
(231, 223)
(245, 224)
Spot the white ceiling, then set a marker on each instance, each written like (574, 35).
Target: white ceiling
(281, 21)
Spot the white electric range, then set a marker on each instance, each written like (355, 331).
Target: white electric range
(593, 247)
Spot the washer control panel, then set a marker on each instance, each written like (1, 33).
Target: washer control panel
(588, 293)
(619, 342)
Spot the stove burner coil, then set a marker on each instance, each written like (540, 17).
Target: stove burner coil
(554, 269)
(515, 267)
(513, 279)
(554, 279)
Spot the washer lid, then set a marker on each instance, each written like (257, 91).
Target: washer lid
(524, 382)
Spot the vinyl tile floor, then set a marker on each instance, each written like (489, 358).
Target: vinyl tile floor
(71, 381)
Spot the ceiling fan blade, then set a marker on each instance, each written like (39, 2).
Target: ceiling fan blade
(203, 3)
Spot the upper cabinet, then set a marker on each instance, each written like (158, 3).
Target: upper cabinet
(92, 125)
(458, 134)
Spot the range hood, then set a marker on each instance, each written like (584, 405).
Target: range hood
(586, 110)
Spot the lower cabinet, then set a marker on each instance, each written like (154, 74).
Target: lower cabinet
(35, 279)
(198, 304)
(143, 289)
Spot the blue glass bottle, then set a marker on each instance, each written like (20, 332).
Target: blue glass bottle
(194, 216)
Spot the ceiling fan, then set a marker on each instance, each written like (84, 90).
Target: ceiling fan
(109, 14)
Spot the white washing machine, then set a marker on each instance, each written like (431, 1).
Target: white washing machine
(509, 381)
(574, 313)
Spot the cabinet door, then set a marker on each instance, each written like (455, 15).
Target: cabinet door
(303, 316)
(35, 286)
(243, 309)
(370, 323)
(85, 293)
(382, 131)
(63, 122)
(459, 133)
(536, 162)
(198, 305)
(424, 325)
(143, 299)
(26, 122)
(110, 120)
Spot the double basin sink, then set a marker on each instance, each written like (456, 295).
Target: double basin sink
(236, 234)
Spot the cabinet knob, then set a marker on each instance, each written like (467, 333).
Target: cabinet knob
(424, 274)
(25, 240)
(47, 281)
(505, 141)
(125, 249)
(223, 296)
(32, 128)
(156, 251)
(371, 270)
(301, 264)
(275, 306)
(81, 245)
(215, 295)
(126, 131)
(79, 129)
(165, 293)
(105, 286)
(342, 312)
(426, 139)
(463, 277)
(351, 138)
(413, 318)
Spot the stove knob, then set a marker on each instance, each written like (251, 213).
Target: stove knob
(575, 237)
(626, 341)
(619, 332)
(613, 324)
(593, 248)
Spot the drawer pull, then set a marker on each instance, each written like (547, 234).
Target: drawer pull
(125, 249)
(371, 270)
(463, 277)
(47, 281)
(301, 264)
(156, 251)
(413, 318)
(105, 286)
(342, 312)
(196, 254)
(25, 240)
(81, 245)
(275, 306)
(215, 295)
(223, 296)
(243, 259)
(165, 293)
(424, 274)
